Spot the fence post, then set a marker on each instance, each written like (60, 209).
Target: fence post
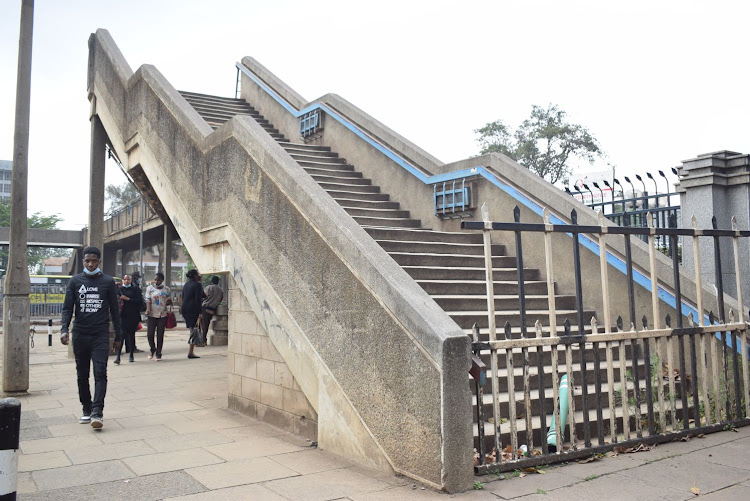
(10, 428)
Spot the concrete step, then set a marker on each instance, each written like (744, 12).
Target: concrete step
(367, 204)
(339, 195)
(377, 213)
(388, 222)
(340, 173)
(450, 273)
(502, 302)
(311, 161)
(348, 187)
(347, 181)
(451, 260)
(305, 147)
(439, 247)
(465, 319)
(293, 150)
(436, 287)
(424, 235)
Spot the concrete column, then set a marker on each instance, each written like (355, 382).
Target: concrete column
(96, 183)
(717, 184)
(17, 286)
(166, 258)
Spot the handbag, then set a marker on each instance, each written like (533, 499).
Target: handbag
(196, 336)
(171, 320)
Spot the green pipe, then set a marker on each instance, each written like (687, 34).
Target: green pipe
(564, 405)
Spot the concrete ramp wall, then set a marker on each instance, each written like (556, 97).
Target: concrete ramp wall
(384, 367)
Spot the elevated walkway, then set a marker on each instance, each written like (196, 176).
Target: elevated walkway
(337, 256)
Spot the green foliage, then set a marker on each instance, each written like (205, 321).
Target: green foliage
(478, 486)
(36, 255)
(120, 196)
(544, 143)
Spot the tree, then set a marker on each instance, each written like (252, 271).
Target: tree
(544, 143)
(35, 255)
(120, 196)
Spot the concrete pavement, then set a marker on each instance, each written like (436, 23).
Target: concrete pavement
(168, 435)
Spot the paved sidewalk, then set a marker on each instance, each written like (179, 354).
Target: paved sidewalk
(168, 435)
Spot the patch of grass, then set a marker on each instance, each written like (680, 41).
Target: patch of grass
(478, 486)
(541, 491)
(661, 459)
(591, 477)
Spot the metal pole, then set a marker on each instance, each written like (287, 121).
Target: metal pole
(10, 432)
(140, 248)
(17, 285)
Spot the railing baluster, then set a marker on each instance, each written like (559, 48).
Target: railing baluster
(741, 314)
(552, 310)
(694, 371)
(624, 400)
(647, 365)
(607, 326)
(657, 315)
(511, 394)
(670, 370)
(581, 328)
(487, 237)
(719, 277)
(571, 385)
(634, 355)
(715, 371)
(597, 383)
(680, 339)
(703, 337)
(480, 402)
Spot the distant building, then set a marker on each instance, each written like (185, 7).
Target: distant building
(55, 265)
(6, 166)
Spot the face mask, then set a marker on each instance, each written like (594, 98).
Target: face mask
(128, 285)
(91, 273)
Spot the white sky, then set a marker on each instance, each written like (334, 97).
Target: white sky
(655, 82)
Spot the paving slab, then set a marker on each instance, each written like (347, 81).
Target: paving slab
(25, 484)
(679, 474)
(166, 419)
(258, 430)
(326, 485)
(188, 426)
(34, 433)
(602, 466)
(72, 476)
(42, 461)
(311, 461)
(60, 443)
(615, 487)
(64, 430)
(191, 440)
(247, 471)
(255, 492)
(170, 461)
(107, 452)
(734, 454)
(246, 449)
(147, 488)
(530, 484)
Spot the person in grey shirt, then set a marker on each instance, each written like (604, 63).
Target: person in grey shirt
(214, 295)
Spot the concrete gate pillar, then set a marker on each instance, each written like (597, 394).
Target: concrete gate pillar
(96, 184)
(717, 184)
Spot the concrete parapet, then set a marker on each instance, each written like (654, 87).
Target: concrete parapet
(381, 365)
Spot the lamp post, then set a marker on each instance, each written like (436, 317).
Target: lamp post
(590, 192)
(627, 180)
(601, 193)
(656, 188)
(661, 173)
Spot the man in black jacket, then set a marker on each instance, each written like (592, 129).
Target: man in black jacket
(93, 295)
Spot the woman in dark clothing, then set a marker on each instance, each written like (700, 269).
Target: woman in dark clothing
(192, 298)
(130, 314)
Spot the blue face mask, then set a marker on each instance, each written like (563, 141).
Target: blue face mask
(91, 273)
(128, 285)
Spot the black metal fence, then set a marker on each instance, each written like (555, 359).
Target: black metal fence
(623, 383)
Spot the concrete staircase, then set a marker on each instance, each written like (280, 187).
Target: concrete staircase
(449, 266)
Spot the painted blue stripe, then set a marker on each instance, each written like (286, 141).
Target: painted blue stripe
(614, 261)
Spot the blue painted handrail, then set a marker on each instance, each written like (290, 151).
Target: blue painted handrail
(479, 171)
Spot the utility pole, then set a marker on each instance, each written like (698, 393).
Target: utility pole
(17, 286)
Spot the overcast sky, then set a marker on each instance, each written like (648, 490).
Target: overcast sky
(655, 82)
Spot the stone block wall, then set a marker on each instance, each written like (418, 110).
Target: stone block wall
(260, 383)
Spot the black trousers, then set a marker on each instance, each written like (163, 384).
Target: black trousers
(156, 325)
(91, 348)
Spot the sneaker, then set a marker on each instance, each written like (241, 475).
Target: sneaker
(131, 359)
(84, 419)
(158, 358)
(97, 422)
(117, 361)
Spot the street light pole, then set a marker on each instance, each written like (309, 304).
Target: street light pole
(17, 286)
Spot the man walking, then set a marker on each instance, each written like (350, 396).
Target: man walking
(214, 295)
(93, 297)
